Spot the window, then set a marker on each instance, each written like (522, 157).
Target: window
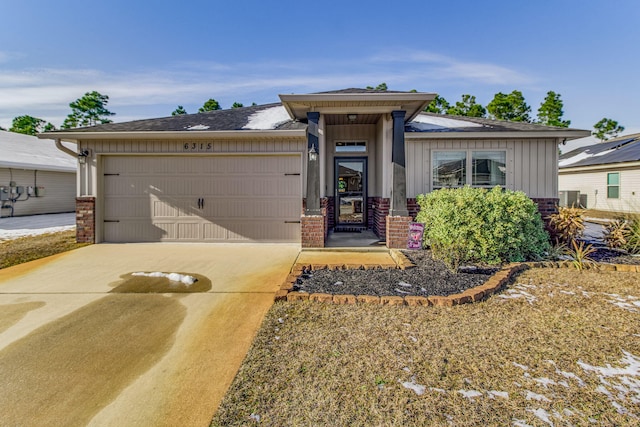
(351, 147)
(450, 168)
(613, 185)
(489, 168)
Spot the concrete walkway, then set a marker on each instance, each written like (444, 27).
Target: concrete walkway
(75, 354)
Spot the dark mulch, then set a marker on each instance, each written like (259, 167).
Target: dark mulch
(612, 256)
(429, 277)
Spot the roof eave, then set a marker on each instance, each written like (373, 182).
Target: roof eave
(180, 135)
(34, 166)
(559, 134)
(603, 166)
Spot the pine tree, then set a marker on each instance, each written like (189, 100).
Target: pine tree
(30, 125)
(550, 111)
(467, 107)
(606, 129)
(511, 107)
(210, 105)
(89, 110)
(439, 105)
(179, 111)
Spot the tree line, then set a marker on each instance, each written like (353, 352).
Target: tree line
(91, 109)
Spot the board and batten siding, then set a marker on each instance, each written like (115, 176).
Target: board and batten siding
(594, 185)
(89, 181)
(60, 188)
(531, 163)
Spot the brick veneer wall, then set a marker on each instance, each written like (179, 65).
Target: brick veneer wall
(379, 215)
(546, 206)
(85, 219)
(397, 231)
(313, 231)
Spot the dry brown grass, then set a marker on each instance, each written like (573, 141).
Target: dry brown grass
(25, 249)
(342, 365)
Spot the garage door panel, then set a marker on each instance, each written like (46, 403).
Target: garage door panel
(246, 198)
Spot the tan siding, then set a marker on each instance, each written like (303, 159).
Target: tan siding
(531, 163)
(594, 185)
(60, 190)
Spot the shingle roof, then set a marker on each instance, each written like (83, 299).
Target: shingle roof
(618, 150)
(451, 123)
(218, 120)
(28, 152)
(258, 118)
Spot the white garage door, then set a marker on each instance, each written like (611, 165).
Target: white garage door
(202, 199)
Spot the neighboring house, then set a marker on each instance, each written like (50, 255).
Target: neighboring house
(35, 177)
(292, 171)
(606, 175)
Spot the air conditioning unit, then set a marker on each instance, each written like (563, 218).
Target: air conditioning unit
(569, 198)
(583, 201)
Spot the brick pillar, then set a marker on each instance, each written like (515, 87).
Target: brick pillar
(398, 231)
(86, 219)
(546, 207)
(313, 231)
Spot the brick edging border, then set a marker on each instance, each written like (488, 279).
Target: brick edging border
(494, 284)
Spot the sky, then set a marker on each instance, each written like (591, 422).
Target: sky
(151, 56)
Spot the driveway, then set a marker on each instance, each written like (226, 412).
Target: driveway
(72, 352)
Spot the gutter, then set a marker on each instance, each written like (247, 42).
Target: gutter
(180, 135)
(566, 134)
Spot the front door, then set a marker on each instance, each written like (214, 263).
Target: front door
(351, 192)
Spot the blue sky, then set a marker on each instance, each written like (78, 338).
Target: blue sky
(150, 57)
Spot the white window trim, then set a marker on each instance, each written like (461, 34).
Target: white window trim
(617, 185)
(469, 165)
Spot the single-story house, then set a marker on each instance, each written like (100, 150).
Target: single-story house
(606, 175)
(35, 177)
(292, 171)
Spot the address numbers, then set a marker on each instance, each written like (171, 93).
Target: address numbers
(198, 146)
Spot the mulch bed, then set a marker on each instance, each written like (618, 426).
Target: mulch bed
(428, 278)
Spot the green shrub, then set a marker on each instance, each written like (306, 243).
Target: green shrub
(567, 225)
(475, 225)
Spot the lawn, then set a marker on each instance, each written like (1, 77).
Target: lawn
(25, 249)
(557, 347)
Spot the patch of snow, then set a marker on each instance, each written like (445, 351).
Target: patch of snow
(338, 283)
(414, 339)
(541, 414)
(424, 123)
(174, 277)
(255, 417)
(567, 292)
(535, 396)
(571, 375)
(400, 291)
(470, 394)
(405, 284)
(439, 390)
(411, 385)
(280, 320)
(623, 381)
(544, 381)
(520, 423)
(34, 225)
(269, 118)
(407, 369)
(523, 367)
(494, 393)
(198, 127)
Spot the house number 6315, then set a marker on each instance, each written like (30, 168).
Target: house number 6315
(198, 146)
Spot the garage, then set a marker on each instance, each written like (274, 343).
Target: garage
(205, 198)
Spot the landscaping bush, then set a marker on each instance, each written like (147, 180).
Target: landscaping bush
(567, 225)
(475, 225)
(624, 234)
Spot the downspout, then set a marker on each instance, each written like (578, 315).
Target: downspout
(75, 155)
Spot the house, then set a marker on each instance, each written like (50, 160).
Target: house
(292, 171)
(35, 177)
(605, 175)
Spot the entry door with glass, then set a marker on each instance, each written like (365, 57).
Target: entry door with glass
(351, 192)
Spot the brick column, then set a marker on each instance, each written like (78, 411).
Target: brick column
(86, 219)
(398, 231)
(398, 163)
(313, 231)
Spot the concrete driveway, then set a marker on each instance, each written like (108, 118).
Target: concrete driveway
(74, 353)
